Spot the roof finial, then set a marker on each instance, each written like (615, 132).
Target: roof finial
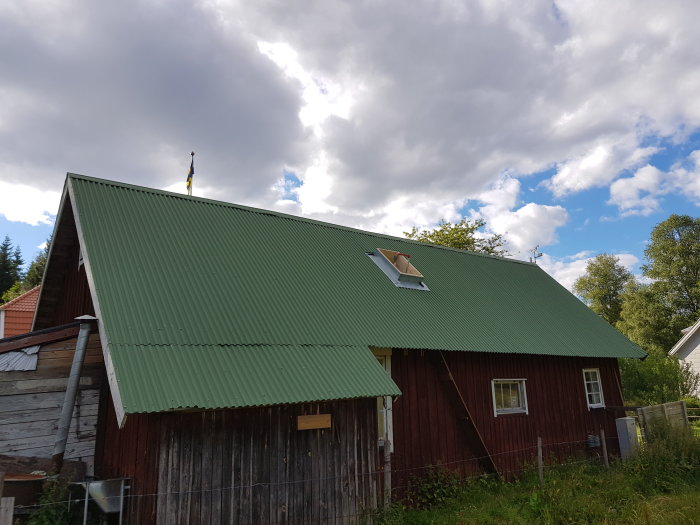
(189, 176)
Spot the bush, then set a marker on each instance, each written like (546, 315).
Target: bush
(53, 510)
(434, 489)
(669, 459)
(691, 402)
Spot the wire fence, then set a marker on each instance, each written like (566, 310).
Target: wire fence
(510, 464)
(513, 463)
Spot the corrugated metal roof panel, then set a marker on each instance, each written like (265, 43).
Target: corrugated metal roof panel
(161, 378)
(180, 271)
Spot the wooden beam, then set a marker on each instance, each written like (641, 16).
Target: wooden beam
(50, 335)
(465, 417)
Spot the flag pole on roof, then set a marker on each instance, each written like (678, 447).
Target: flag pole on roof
(189, 175)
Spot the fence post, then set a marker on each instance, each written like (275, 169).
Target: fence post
(540, 465)
(387, 472)
(604, 446)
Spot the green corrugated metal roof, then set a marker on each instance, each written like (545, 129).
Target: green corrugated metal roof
(177, 274)
(219, 376)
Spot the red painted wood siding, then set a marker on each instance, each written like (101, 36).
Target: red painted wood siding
(130, 452)
(75, 299)
(427, 432)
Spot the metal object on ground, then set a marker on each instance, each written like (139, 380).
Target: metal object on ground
(107, 493)
(627, 435)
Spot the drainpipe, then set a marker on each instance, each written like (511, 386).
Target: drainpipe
(59, 449)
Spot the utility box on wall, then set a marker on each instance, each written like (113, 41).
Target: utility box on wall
(627, 435)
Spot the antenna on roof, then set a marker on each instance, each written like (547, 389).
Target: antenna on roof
(535, 254)
(189, 175)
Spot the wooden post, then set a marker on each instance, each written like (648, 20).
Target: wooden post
(7, 510)
(7, 505)
(604, 446)
(387, 472)
(540, 464)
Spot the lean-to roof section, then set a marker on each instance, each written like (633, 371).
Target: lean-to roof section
(179, 377)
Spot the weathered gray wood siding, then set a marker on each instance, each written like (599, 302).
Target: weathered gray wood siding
(255, 467)
(30, 404)
(246, 466)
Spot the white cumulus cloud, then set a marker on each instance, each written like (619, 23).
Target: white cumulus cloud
(523, 227)
(22, 203)
(567, 269)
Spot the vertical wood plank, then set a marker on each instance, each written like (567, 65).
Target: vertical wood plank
(173, 488)
(217, 463)
(163, 471)
(200, 435)
(7, 510)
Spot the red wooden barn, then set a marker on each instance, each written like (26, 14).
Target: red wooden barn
(258, 366)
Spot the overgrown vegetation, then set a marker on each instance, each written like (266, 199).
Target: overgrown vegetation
(661, 485)
(54, 508)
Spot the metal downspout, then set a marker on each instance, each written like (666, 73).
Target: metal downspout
(71, 391)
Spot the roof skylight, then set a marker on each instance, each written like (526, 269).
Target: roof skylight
(398, 268)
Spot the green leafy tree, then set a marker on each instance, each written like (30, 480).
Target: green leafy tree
(10, 265)
(659, 378)
(673, 256)
(647, 320)
(13, 291)
(32, 278)
(602, 286)
(464, 235)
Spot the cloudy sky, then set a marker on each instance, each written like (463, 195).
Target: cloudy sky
(570, 125)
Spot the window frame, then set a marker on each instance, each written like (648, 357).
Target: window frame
(589, 393)
(384, 358)
(522, 390)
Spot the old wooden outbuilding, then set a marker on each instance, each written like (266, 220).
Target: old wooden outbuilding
(258, 367)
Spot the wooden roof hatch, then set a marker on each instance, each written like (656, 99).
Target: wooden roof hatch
(397, 267)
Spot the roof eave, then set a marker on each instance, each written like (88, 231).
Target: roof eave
(686, 337)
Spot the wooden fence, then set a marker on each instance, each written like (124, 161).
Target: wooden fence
(674, 414)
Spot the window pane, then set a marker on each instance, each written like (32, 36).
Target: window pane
(508, 396)
(499, 396)
(514, 395)
(594, 391)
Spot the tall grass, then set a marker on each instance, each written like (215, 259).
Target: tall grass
(660, 485)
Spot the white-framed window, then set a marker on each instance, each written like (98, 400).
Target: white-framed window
(385, 420)
(594, 388)
(509, 396)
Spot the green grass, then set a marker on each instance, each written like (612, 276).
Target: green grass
(662, 485)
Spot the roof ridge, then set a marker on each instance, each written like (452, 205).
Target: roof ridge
(287, 216)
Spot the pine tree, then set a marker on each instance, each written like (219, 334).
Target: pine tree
(10, 265)
(35, 273)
